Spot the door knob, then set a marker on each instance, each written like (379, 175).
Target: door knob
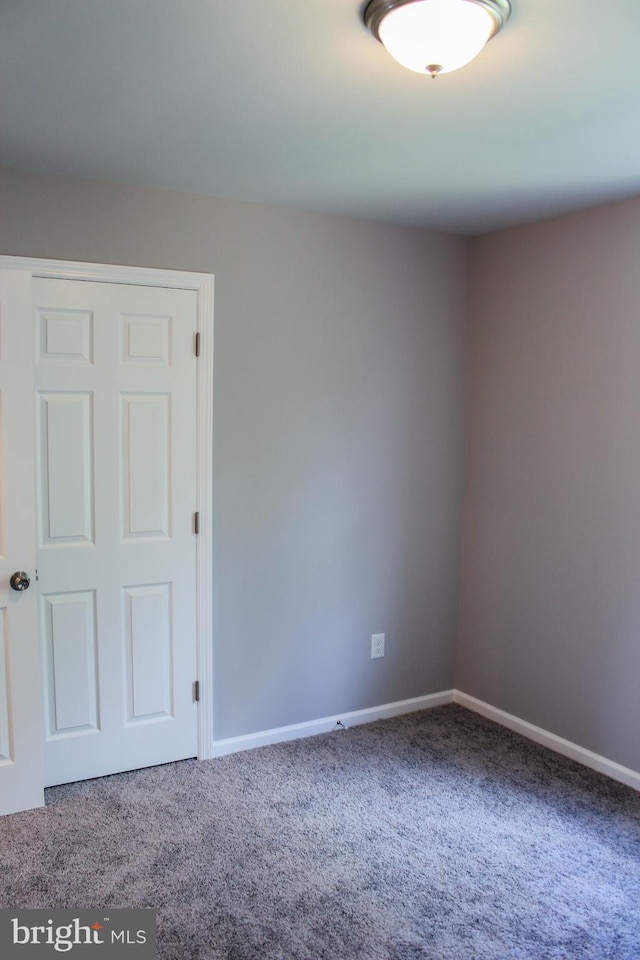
(20, 580)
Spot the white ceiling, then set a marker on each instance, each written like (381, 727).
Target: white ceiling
(293, 102)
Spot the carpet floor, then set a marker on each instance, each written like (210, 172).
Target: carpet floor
(436, 835)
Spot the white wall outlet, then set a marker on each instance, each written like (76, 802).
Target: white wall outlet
(377, 645)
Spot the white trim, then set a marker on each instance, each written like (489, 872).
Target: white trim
(204, 545)
(202, 284)
(313, 727)
(108, 273)
(593, 760)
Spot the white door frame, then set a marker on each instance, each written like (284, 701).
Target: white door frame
(202, 284)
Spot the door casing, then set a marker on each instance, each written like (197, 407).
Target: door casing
(203, 285)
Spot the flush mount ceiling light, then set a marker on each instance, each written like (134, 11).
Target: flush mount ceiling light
(435, 36)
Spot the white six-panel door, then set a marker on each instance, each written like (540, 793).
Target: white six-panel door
(115, 416)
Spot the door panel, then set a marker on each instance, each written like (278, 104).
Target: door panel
(20, 708)
(146, 460)
(69, 634)
(149, 635)
(115, 380)
(65, 431)
(5, 716)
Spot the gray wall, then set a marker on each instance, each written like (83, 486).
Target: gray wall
(550, 617)
(339, 355)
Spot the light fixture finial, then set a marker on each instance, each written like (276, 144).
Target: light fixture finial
(425, 34)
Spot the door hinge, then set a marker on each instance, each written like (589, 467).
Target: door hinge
(196, 523)
(197, 350)
(196, 690)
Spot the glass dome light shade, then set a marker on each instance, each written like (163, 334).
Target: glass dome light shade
(435, 36)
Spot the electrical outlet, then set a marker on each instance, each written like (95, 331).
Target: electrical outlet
(377, 645)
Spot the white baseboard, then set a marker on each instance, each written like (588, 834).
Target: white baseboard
(593, 760)
(312, 727)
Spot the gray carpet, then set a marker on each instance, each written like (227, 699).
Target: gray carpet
(436, 835)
